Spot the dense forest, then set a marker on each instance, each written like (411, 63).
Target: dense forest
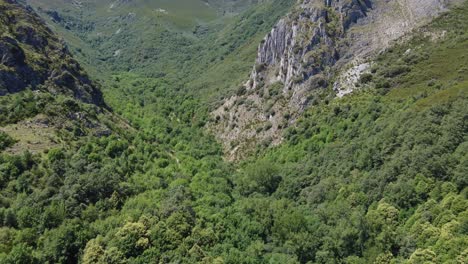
(378, 176)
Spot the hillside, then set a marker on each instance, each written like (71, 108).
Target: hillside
(159, 45)
(105, 34)
(316, 46)
(33, 57)
(370, 167)
(47, 99)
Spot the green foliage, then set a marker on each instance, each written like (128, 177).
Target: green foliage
(20, 106)
(366, 78)
(193, 46)
(261, 177)
(132, 239)
(20, 254)
(5, 140)
(374, 177)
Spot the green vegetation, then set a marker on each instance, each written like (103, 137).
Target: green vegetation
(379, 176)
(5, 141)
(210, 58)
(34, 58)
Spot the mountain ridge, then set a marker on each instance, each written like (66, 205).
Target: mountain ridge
(33, 57)
(319, 45)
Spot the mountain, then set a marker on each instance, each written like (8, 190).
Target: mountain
(33, 57)
(108, 30)
(182, 44)
(234, 131)
(104, 34)
(316, 46)
(46, 96)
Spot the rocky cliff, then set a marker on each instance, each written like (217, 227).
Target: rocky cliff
(32, 57)
(319, 44)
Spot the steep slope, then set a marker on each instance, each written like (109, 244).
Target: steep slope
(378, 176)
(320, 44)
(47, 99)
(33, 57)
(153, 44)
(193, 67)
(104, 34)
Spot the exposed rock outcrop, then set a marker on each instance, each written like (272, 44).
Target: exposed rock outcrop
(31, 56)
(318, 42)
(303, 44)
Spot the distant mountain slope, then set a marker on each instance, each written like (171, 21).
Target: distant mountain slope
(153, 37)
(33, 57)
(203, 62)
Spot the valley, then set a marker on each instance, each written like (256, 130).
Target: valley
(234, 131)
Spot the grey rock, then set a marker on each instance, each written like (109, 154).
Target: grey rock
(316, 43)
(31, 56)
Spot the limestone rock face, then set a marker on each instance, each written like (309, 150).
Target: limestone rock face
(306, 42)
(32, 57)
(319, 41)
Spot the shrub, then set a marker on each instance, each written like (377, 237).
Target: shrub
(366, 78)
(262, 177)
(5, 141)
(396, 70)
(260, 67)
